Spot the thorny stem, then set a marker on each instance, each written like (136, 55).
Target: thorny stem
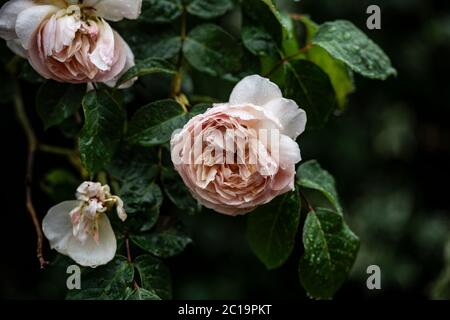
(287, 59)
(129, 258)
(176, 82)
(32, 147)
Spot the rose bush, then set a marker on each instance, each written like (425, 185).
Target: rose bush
(232, 157)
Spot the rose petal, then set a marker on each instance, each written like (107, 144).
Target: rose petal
(57, 225)
(90, 253)
(284, 180)
(291, 118)
(116, 10)
(255, 90)
(29, 20)
(103, 54)
(66, 28)
(8, 17)
(289, 152)
(129, 62)
(119, 208)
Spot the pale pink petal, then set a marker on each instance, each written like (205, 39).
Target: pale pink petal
(289, 151)
(28, 22)
(116, 10)
(255, 90)
(8, 17)
(66, 28)
(89, 253)
(284, 180)
(129, 62)
(291, 118)
(57, 225)
(103, 55)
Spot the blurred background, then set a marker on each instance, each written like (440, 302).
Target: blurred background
(389, 152)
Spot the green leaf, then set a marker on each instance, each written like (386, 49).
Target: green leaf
(311, 175)
(70, 128)
(136, 169)
(311, 88)
(290, 44)
(165, 243)
(209, 9)
(107, 282)
(141, 294)
(345, 42)
(143, 198)
(56, 101)
(163, 45)
(132, 163)
(60, 185)
(340, 75)
(177, 191)
(212, 50)
(145, 67)
(160, 11)
(263, 26)
(102, 131)
(154, 123)
(272, 229)
(262, 10)
(311, 28)
(258, 41)
(154, 276)
(330, 251)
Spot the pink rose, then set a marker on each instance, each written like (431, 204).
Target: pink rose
(241, 154)
(69, 40)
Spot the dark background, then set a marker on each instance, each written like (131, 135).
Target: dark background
(389, 152)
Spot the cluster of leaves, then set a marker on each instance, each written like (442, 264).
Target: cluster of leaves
(126, 145)
(330, 247)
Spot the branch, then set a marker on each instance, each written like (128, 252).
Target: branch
(287, 59)
(130, 260)
(32, 147)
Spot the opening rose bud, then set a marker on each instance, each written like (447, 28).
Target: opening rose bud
(81, 229)
(241, 154)
(70, 40)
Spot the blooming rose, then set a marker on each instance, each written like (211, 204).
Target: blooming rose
(80, 228)
(69, 40)
(256, 168)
